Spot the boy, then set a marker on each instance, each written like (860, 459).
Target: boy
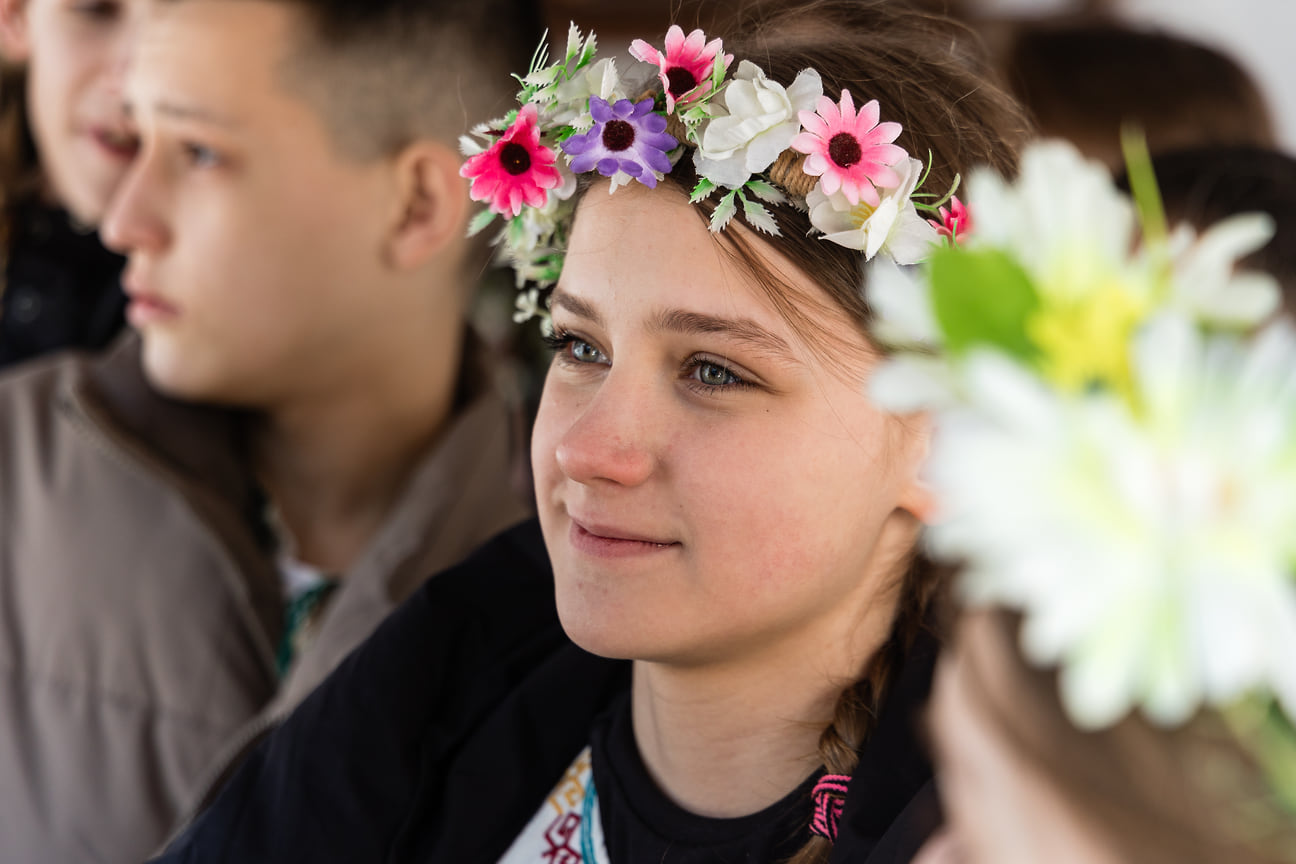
(196, 528)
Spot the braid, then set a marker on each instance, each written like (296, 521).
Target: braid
(859, 705)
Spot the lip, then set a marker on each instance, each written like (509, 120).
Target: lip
(114, 142)
(145, 307)
(606, 541)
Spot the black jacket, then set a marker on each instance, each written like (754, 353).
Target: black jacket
(61, 287)
(471, 692)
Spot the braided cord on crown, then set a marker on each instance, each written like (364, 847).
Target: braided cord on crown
(754, 143)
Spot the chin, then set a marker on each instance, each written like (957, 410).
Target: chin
(169, 375)
(595, 629)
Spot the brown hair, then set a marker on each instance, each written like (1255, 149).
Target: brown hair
(928, 73)
(1082, 79)
(19, 163)
(1187, 795)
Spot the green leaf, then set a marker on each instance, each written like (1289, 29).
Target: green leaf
(760, 218)
(702, 190)
(480, 222)
(724, 211)
(718, 70)
(765, 191)
(982, 297)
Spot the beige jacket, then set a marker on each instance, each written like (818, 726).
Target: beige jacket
(139, 611)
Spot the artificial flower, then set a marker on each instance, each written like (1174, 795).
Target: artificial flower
(753, 120)
(953, 223)
(891, 225)
(544, 81)
(851, 152)
(1206, 281)
(571, 104)
(1150, 551)
(686, 66)
(516, 170)
(628, 141)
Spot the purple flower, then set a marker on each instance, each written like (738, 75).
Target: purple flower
(627, 137)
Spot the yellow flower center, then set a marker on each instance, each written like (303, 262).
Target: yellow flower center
(1084, 338)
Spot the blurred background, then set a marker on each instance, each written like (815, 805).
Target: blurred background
(1257, 34)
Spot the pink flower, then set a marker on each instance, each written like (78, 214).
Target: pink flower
(850, 152)
(687, 63)
(955, 222)
(516, 170)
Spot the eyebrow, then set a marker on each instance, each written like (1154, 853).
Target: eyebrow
(743, 330)
(189, 113)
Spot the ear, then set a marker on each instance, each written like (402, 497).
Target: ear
(431, 205)
(14, 44)
(918, 497)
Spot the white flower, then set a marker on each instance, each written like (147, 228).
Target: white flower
(1063, 219)
(1206, 281)
(754, 119)
(571, 103)
(1153, 556)
(893, 227)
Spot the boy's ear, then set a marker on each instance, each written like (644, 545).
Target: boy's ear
(14, 45)
(432, 204)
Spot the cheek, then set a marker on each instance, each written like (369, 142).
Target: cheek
(553, 416)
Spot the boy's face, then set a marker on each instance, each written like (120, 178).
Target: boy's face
(76, 52)
(253, 244)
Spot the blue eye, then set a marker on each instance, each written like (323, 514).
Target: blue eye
(585, 352)
(574, 349)
(201, 157)
(714, 375)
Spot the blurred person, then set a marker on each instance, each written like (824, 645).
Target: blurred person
(1083, 79)
(1022, 784)
(198, 525)
(65, 144)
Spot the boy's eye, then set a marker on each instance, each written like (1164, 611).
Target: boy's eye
(201, 157)
(99, 10)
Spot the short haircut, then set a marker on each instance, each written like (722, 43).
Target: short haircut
(384, 73)
(1083, 79)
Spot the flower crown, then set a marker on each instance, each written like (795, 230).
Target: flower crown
(1115, 445)
(754, 142)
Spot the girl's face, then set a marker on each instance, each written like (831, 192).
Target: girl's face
(708, 490)
(76, 52)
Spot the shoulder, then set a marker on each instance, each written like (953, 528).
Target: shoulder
(337, 780)
(33, 396)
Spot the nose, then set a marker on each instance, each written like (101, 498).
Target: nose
(614, 437)
(134, 220)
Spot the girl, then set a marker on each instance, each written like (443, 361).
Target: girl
(726, 660)
(66, 145)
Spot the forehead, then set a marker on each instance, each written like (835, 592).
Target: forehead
(651, 247)
(225, 54)
(642, 253)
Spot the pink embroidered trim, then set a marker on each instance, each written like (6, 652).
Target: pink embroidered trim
(829, 795)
